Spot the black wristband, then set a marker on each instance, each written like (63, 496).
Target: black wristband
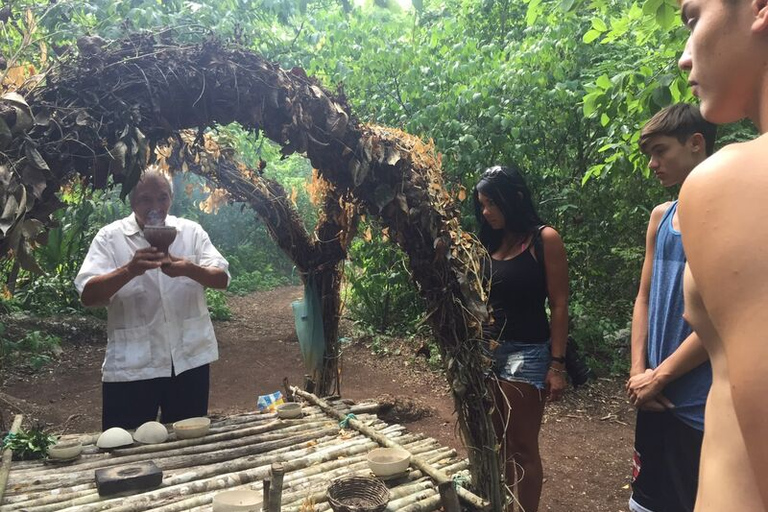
(560, 359)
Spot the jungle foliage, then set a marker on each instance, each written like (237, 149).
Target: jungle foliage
(559, 87)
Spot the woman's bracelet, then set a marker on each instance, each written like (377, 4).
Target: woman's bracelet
(558, 370)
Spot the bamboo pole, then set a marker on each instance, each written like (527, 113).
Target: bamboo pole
(292, 503)
(448, 497)
(50, 503)
(266, 484)
(438, 476)
(276, 488)
(85, 474)
(317, 484)
(293, 478)
(5, 468)
(215, 443)
(69, 495)
(143, 501)
(185, 474)
(426, 505)
(405, 501)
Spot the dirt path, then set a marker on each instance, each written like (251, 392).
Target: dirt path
(586, 439)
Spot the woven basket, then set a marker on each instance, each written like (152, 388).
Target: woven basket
(358, 494)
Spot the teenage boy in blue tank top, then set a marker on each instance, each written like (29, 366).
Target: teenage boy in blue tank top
(670, 374)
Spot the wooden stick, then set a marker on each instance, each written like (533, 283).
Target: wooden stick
(425, 505)
(437, 476)
(276, 490)
(448, 497)
(266, 483)
(5, 469)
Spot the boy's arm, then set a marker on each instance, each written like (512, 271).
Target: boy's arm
(639, 335)
(722, 213)
(689, 355)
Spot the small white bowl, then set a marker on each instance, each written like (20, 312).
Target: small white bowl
(151, 432)
(114, 437)
(289, 410)
(237, 501)
(191, 428)
(388, 461)
(65, 450)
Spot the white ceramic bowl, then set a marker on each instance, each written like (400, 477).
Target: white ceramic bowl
(191, 428)
(114, 437)
(65, 450)
(289, 410)
(151, 432)
(388, 461)
(237, 501)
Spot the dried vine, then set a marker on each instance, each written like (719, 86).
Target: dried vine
(102, 114)
(321, 255)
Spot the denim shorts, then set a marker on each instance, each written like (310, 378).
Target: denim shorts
(515, 361)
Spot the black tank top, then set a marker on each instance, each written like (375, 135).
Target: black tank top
(518, 294)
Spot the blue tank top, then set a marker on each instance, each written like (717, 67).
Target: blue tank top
(666, 327)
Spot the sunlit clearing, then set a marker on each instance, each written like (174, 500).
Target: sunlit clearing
(405, 4)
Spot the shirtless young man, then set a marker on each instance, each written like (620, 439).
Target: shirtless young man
(723, 212)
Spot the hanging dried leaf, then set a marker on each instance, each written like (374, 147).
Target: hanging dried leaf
(132, 174)
(5, 135)
(393, 156)
(31, 228)
(142, 149)
(117, 162)
(214, 201)
(358, 170)
(34, 158)
(35, 180)
(43, 53)
(15, 77)
(26, 259)
(401, 202)
(83, 119)
(24, 118)
(383, 195)
(9, 214)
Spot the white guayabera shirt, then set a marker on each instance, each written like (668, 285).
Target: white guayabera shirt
(155, 322)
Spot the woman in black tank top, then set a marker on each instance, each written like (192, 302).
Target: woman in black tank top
(526, 267)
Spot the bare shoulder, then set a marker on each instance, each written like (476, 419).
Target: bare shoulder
(550, 235)
(658, 213)
(553, 243)
(735, 165)
(724, 200)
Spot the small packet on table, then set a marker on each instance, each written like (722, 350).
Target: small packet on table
(269, 403)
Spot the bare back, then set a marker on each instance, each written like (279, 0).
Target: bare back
(723, 216)
(726, 482)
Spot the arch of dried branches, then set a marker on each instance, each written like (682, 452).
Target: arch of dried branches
(104, 112)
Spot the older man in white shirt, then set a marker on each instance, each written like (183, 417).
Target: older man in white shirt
(160, 338)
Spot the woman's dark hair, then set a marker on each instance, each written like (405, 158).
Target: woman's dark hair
(506, 187)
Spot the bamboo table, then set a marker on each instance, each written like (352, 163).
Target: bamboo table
(239, 453)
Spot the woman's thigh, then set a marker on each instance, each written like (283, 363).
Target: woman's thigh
(520, 408)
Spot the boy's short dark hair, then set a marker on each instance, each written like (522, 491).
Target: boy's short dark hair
(680, 121)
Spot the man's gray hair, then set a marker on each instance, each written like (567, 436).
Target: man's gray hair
(152, 171)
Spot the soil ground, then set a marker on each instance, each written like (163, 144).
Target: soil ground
(586, 438)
